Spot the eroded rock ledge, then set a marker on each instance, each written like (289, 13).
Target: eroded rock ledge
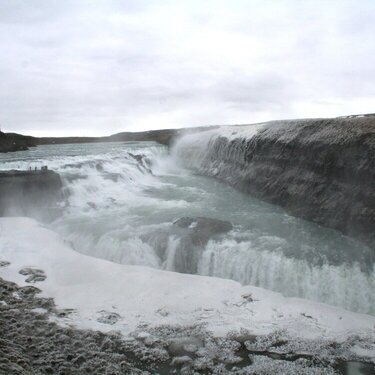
(321, 170)
(25, 193)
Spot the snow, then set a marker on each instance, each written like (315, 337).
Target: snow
(230, 132)
(240, 131)
(107, 296)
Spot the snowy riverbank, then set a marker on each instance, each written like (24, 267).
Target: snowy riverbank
(140, 301)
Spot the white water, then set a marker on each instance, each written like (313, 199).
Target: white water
(116, 209)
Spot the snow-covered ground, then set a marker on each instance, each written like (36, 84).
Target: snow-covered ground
(200, 141)
(144, 297)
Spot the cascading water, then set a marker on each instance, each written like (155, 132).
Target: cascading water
(124, 201)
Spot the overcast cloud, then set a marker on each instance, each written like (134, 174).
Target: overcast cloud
(100, 67)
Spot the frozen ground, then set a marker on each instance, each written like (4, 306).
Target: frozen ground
(190, 322)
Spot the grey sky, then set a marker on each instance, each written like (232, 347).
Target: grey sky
(96, 67)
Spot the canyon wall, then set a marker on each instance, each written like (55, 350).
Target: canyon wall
(30, 193)
(321, 170)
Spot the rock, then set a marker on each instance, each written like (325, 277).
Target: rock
(107, 317)
(203, 227)
(180, 245)
(195, 234)
(28, 291)
(30, 193)
(63, 313)
(144, 163)
(322, 170)
(179, 361)
(35, 275)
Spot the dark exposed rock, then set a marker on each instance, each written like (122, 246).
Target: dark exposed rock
(194, 235)
(15, 142)
(144, 163)
(202, 228)
(29, 193)
(322, 170)
(34, 275)
(190, 236)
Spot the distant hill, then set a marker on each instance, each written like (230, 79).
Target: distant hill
(16, 142)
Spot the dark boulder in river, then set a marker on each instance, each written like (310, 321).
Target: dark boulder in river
(29, 193)
(180, 245)
(203, 228)
(194, 234)
(321, 170)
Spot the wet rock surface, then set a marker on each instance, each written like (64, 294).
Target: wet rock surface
(190, 236)
(144, 163)
(204, 227)
(30, 193)
(194, 234)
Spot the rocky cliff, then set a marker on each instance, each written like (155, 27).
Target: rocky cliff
(29, 193)
(321, 170)
(15, 142)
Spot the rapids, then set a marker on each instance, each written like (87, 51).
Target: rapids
(123, 200)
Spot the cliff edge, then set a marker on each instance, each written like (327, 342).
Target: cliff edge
(29, 193)
(321, 170)
(15, 142)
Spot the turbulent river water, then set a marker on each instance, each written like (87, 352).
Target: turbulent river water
(123, 200)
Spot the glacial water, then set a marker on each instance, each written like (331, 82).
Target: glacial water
(122, 200)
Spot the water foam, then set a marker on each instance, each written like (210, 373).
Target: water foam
(344, 285)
